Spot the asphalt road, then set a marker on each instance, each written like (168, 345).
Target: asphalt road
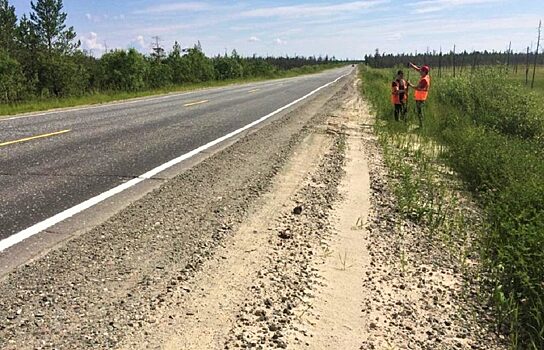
(53, 161)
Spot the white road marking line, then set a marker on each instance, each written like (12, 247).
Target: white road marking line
(68, 213)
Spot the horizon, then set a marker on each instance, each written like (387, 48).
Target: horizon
(343, 29)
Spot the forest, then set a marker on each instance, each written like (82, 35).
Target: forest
(460, 60)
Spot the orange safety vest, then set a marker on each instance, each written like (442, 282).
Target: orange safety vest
(395, 96)
(421, 95)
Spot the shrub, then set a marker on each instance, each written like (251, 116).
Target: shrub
(123, 70)
(12, 81)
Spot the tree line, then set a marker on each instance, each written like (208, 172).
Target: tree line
(40, 58)
(458, 59)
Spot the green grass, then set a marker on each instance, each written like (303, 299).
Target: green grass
(520, 76)
(490, 129)
(510, 73)
(105, 97)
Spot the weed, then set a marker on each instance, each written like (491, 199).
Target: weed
(343, 261)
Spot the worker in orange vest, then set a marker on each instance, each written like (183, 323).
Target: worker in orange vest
(399, 96)
(421, 90)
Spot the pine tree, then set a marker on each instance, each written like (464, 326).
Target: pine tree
(8, 27)
(50, 23)
(176, 50)
(27, 49)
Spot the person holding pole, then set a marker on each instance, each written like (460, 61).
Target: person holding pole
(399, 96)
(421, 90)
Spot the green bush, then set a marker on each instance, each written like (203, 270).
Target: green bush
(12, 80)
(492, 99)
(228, 68)
(123, 70)
(159, 75)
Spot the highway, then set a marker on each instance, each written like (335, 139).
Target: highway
(53, 161)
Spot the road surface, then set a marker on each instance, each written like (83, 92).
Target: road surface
(52, 161)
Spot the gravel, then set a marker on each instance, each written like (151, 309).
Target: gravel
(290, 279)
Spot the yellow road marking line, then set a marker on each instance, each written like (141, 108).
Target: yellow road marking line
(34, 137)
(254, 90)
(195, 103)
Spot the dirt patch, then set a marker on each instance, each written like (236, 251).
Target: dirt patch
(206, 307)
(335, 318)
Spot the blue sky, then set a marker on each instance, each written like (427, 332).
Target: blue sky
(346, 29)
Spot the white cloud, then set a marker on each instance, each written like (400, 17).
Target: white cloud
(428, 6)
(394, 37)
(174, 7)
(254, 39)
(102, 18)
(141, 41)
(308, 10)
(93, 18)
(90, 42)
(278, 41)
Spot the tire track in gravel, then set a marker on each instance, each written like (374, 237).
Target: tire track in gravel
(107, 285)
(208, 305)
(335, 319)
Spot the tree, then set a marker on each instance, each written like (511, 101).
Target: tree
(228, 67)
(159, 74)
(12, 80)
(8, 27)
(176, 50)
(201, 67)
(50, 23)
(179, 65)
(123, 70)
(27, 50)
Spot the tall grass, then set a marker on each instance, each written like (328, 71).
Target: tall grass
(492, 130)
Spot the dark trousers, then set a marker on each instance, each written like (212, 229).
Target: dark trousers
(400, 111)
(419, 108)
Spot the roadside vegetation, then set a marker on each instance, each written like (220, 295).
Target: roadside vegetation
(42, 65)
(488, 128)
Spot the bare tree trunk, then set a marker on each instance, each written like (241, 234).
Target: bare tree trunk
(508, 56)
(527, 68)
(453, 60)
(536, 54)
(440, 64)
(474, 61)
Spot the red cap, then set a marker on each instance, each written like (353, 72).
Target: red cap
(426, 69)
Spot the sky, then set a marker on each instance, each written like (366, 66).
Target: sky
(345, 29)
